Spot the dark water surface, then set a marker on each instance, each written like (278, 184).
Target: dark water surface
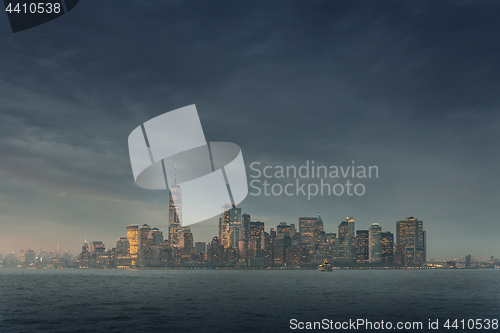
(237, 300)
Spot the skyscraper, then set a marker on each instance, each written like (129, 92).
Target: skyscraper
(362, 242)
(84, 257)
(410, 242)
(307, 226)
(175, 215)
(375, 242)
(245, 221)
(185, 238)
(144, 245)
(186, 243)
(216, 252)
(255, 241)
(283, 229)
(224, 226)
(235, 226)
(122, 253)
(387, 247)
(346, 239)
(133, 239)
(200, 247)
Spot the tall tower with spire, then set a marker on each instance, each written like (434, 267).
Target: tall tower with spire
(175, 213)
(84, 257)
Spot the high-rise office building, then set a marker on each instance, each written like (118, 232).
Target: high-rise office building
(362, 244)
(375, 242)
(255, 241)
(186, 243)
(99, 256)
(242, 248)
(346, 239)
(319, 224)
(133, 239)
(157, 237)
(200, 247)
(309, 229)
(144, 244)
(235, 226)
(98, 246)
(307, 225)
(387, 247)
(256, 229)
(154, 247)
(216, 252)
(224, 226)
(231, 227)
(122, 253)
(410, 242)
(185, 238)
(84, 257)
(283, 229)
(245, 221)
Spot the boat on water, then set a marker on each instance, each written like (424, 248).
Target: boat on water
(496, 267)
(325, 267)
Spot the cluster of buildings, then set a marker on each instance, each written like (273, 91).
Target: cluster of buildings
(28, 258)
(242, 242)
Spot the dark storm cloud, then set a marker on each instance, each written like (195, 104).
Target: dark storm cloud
(410, 87)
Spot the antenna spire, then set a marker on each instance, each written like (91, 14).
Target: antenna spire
(175, 173)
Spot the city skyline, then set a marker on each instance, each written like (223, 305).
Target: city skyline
(346, 230)
(242, 243)
(407, 87)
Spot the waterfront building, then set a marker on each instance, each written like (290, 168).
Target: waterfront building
(347, 240)
(144, 244)
(410, 242)
(133, 239)
(224, 226)
(84, 257)
(362, 244)
(122, 253)
(235, 226)
(387, 247)
(374, 241)
(245, 221)
(200, 247)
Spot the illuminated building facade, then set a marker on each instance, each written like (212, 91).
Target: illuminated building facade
(346, 239)
(362, 246)
(283, 229)
(235, 226)
(374, 241)
(387, 247)
(224, 226)
(133, 239)
(122, 253)
(410, 242)
(144, 244)
(307, 228)
(84, 257)
(245, 221)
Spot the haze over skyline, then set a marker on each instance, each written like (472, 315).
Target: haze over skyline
(408, 87)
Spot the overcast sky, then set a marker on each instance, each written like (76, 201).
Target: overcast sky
(411, 87)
